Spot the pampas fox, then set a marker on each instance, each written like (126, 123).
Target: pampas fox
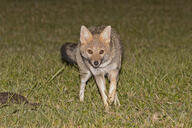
(98, 54)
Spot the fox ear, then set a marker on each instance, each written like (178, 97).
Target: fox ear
(85, 35)
(105, 36)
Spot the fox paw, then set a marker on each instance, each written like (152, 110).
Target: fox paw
(111, 98)
(106, 107)
(116, 101)
(81, 98)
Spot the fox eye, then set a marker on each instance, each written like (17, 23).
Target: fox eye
(101, 51)
(90, 51)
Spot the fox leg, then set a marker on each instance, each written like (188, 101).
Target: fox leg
(113, 77)
(100, 80)
(84, 78)
(116, 100)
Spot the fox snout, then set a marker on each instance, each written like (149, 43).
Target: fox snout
(95, 63)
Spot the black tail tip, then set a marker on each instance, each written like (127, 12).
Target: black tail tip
(64, 56)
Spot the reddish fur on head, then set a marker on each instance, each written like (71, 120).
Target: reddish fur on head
(95, 47)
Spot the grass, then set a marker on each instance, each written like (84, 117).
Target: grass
(155, 87)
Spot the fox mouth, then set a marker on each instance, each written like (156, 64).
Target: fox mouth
(93, 65)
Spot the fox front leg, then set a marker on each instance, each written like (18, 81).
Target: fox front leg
(113, 77)
(84, 78)
(116, 100)
(100, 80)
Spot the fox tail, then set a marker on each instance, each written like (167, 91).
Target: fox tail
(68, 53)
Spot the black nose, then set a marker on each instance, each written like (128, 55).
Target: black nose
(96, 63)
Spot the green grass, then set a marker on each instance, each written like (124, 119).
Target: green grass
(155, 87)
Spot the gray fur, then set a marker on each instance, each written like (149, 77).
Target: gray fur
(110, 65)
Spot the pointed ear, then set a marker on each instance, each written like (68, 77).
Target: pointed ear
(85, 35)
(105, 36)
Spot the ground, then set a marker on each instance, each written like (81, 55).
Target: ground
(155, 87)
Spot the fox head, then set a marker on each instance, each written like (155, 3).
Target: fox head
(95, 47)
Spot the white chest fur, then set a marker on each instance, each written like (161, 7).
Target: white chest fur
(103, 70)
